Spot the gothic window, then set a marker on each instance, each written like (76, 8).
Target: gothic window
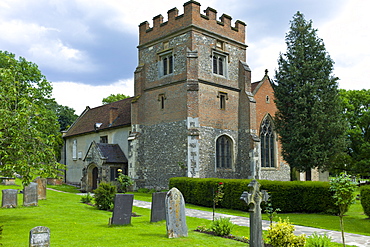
(223, 152)
(218, 64)
(267, 143)
(166, 63)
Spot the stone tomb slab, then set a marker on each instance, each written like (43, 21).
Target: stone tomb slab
(10, 198)
(41, 188)
(30, 196)
(158, 210)
(40, 237)
(175, 214)
(122, 210)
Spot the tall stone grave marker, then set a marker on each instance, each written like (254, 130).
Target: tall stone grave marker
(40, 237)
(41, 188)
(158, 211)
(10, 198)
(253, 198)
(175, 214)
(30, 197)
(122, 210)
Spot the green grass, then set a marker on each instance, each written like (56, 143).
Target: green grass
(73, 223)
(355, 220)
(65, 188)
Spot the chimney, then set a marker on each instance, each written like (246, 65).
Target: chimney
(113, 114)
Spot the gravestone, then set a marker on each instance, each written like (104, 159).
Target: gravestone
(158, 211)
(122, 210)
(40, 237)
(175, 214)
(30, 197)
(10, 198)
(41, 188)
(253, 198)
(8, 181)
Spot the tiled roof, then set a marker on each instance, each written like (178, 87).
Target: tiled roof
(254, 85)
(85, 123)
(112, 152)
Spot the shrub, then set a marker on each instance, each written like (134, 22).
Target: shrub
(87, 198)
(288, 196)
(365, 199)
(124, 182)
(104, 196)
(316, 240)
(222, 226)
(343, 189)
(281, 235)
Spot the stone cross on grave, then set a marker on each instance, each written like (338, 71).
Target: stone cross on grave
(253, 198)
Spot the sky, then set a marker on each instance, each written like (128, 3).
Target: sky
(87, 49)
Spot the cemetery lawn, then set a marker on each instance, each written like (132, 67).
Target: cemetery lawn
(76, 224)
(355, 221)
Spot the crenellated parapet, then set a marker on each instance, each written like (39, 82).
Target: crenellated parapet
(191, 17)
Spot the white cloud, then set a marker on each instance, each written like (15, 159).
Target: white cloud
(264, 55)
(78, 95)
(346, 39)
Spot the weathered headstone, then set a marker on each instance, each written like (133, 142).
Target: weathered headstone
(10, 198)
(122, 210)
(175, 214)
(30, 197)
(158, 211)
(8, 181)
(41, 188)
(40, 237)
(253, 200)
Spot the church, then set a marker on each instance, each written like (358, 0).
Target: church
(194, 113)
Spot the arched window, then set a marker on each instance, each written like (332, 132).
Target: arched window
(223, 152)
(267, 144)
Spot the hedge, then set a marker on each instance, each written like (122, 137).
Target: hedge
(289, 196)
(365, 199)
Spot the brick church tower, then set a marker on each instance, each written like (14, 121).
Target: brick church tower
(193, 113)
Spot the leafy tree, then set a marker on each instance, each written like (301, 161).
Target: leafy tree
(113, 98)
(344, 196)
(309, 116)
(357, 113)
(66, 115)
(29, 130)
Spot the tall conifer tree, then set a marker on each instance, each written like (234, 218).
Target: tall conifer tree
(309, 117)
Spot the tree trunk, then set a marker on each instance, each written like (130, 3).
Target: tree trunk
(342, 229)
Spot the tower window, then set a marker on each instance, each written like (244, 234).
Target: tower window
(219, 64)
(267, 144)
(223, 97)
(166, 61)
(223, 152)
(161, 99)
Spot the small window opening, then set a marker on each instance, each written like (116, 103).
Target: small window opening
(104, 139)
(223, 97)
(267, 99)
(161, 99)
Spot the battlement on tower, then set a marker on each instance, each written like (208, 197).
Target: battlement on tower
(191, 17)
